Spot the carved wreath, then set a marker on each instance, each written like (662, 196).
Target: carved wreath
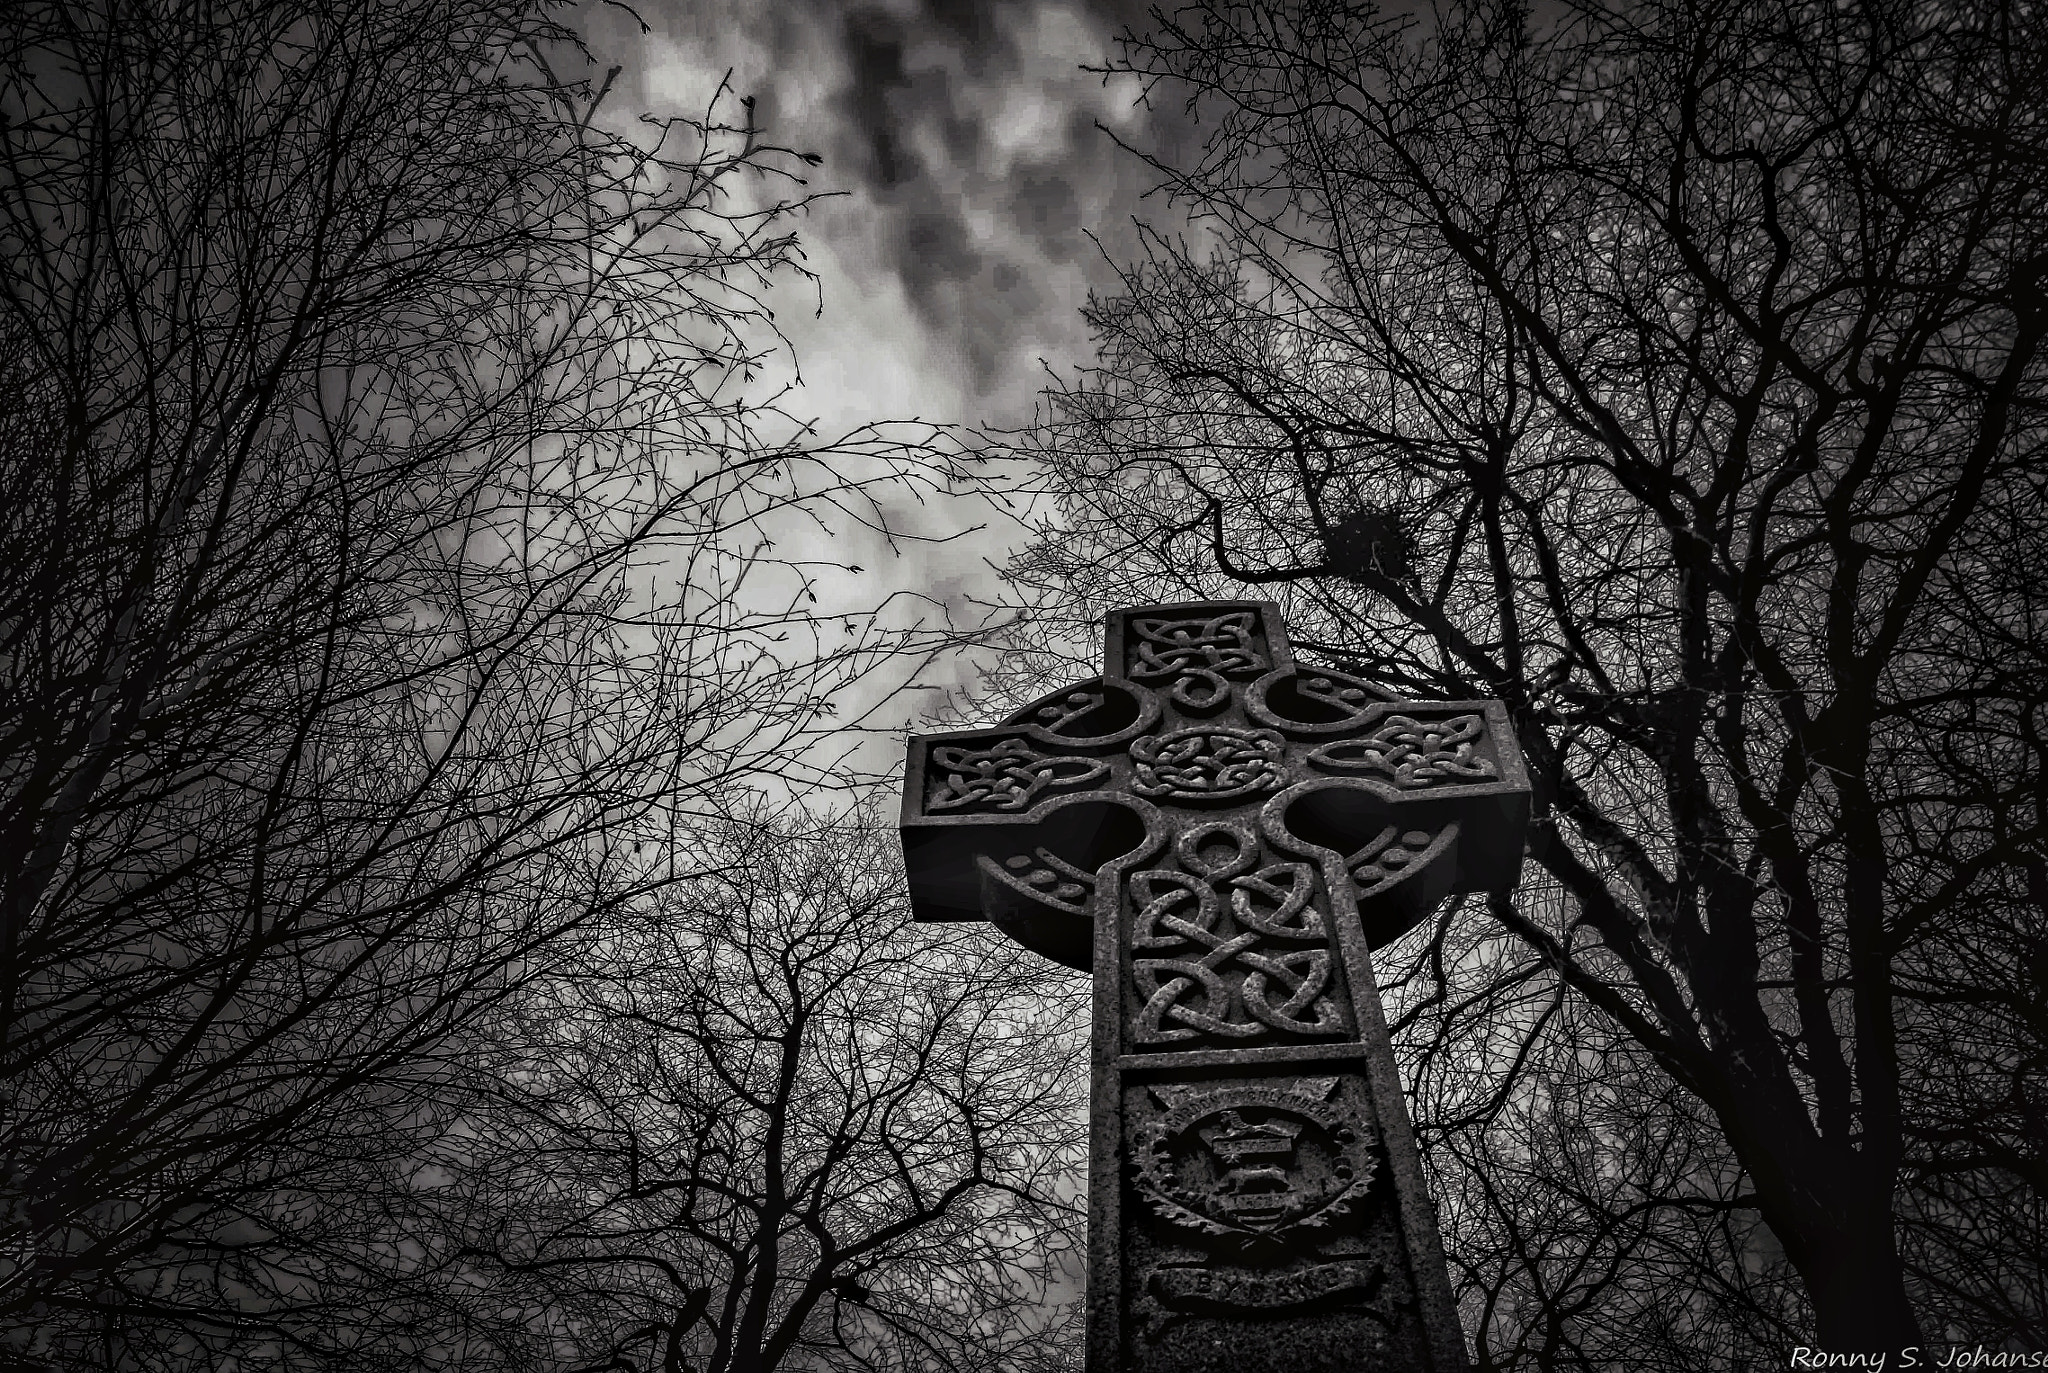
(1254, 1136)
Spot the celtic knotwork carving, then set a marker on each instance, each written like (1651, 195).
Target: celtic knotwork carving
(1206, 763)
(1212, 968)
(1212, 643)
(1218, 850)
(1414, 753)
(1299, 978)
(1277, 900)
(1165, 983)
(1201, 653)
(1174, 912)
(1174, 909)
(1006, 776)
(1257, 1161)
(1220, 833)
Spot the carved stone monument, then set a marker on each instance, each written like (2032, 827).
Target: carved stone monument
(1222, 837)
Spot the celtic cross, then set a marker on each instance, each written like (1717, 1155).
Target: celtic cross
(1222, 836)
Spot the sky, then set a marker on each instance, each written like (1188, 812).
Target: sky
(975, 194)
(963, 136)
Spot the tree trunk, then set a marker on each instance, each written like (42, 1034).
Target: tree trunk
(1858, 1291)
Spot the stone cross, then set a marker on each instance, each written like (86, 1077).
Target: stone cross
(1222, 836)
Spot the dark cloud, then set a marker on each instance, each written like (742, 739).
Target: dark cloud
(972, 27)
(965, 133)
(874, 54)
(940, 246)
(1042, 200)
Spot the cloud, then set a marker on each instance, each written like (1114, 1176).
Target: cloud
(961, 142)
(964, 138)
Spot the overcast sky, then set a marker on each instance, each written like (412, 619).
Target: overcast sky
(963, 134)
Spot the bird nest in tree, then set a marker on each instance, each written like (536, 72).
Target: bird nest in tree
(1370, 542)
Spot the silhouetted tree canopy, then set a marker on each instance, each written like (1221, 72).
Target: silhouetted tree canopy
(386, 593)
(765, 1122)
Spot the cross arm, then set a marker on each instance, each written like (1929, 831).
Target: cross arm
(1418, 800)
(1010, 824)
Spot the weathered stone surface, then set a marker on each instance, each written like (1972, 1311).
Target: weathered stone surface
(1223, 837)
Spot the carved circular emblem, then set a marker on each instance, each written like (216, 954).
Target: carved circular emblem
(1254, 1161)
(1206, 763)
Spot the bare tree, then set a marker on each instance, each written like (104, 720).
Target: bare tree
(768, 1123)
(383, 578)
(1671, 371)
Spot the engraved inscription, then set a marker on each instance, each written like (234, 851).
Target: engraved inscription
(1196, 1288)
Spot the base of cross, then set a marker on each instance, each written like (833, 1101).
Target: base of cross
(1222, 837)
